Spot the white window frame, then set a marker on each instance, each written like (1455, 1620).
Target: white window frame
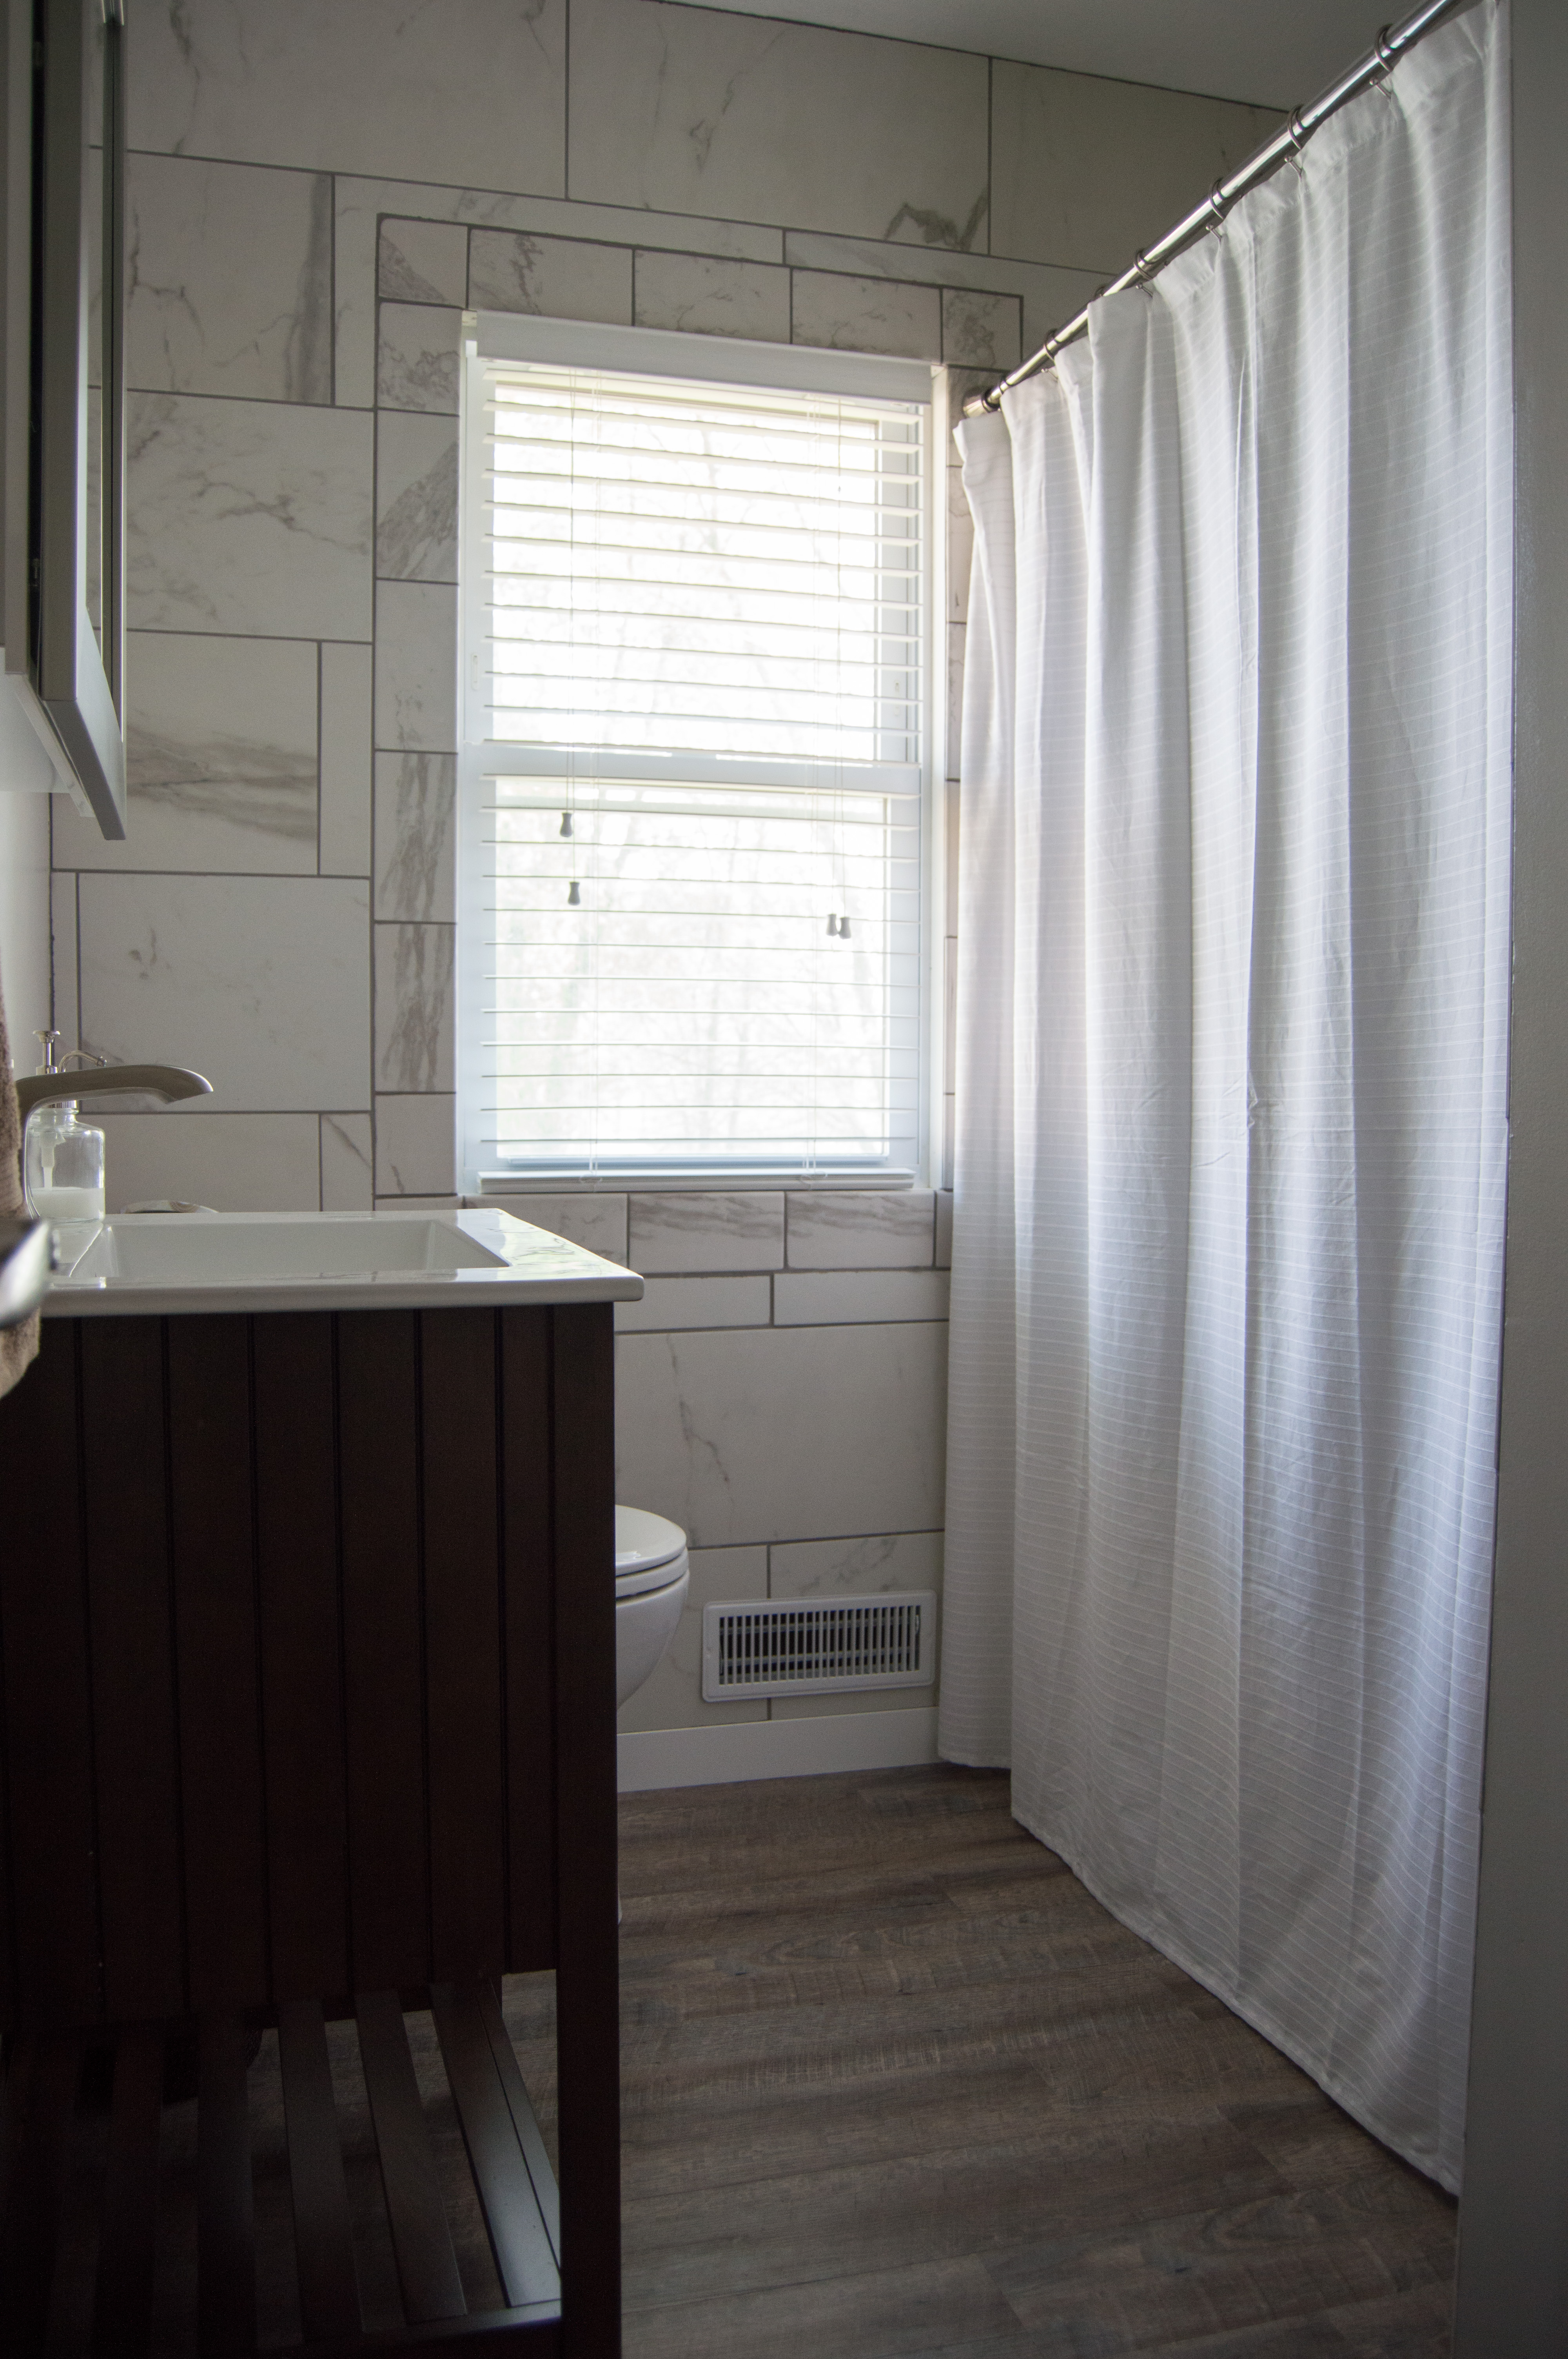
(490, 336)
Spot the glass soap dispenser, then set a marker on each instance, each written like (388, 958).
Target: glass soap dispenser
(62, 1156)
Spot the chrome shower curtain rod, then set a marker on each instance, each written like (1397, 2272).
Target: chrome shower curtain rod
(1391, 44)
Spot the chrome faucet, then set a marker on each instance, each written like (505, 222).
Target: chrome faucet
(51, 1081)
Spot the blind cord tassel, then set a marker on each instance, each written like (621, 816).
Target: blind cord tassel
(566, 823)
(574, 895)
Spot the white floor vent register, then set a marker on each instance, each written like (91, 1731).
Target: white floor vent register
(840, 1648)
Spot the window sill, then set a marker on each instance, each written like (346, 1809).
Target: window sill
(493, 1188)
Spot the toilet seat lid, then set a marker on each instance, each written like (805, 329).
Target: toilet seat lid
(645, 1542)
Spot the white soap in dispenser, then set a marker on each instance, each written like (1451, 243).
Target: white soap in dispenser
(62, 1156)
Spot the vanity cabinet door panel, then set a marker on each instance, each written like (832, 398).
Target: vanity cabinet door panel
(301, 1663)
(464, 1644)
(135, 1752)
(384, 1670)
(529, 1616)
(49, 1956)
(212, 1522)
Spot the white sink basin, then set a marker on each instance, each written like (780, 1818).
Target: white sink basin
(182, 1250)
(162, 1263)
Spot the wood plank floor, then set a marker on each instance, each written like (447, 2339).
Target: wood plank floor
(894, 2083)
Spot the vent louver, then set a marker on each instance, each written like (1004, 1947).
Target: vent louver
(799, 1647)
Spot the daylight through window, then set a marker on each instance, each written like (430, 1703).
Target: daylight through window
(695, 690)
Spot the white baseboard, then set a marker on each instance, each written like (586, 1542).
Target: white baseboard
(733, 1755)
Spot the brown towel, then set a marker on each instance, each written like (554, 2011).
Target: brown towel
(18, 1345)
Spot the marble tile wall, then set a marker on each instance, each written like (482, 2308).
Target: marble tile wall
(316, 193)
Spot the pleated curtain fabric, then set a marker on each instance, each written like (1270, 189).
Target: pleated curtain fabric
(1231, 1154)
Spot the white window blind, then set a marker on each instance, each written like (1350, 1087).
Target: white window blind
(695, 695)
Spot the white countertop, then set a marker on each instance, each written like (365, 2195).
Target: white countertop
(161, 1264)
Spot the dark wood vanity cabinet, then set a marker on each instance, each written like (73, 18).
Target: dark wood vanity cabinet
(308, 1632)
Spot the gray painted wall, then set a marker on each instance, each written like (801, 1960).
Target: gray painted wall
(1513, 2221)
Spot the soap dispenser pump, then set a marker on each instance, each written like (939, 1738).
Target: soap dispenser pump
(62, 1156)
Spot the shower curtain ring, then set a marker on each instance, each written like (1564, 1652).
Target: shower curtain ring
(1388, 57)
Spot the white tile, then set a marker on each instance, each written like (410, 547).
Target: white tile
(233, 1162)
(741, 241)
(595, 1222)
(416, 667)
(866, 315)
(834, 1297)
(62, 953)
(422, 262)
(356, 305)
(681, 1302)
(981, 330)
(778, 1433)
(345, 760)
(861, 1229)
(693, 111)
(414, 1039)
(672, 1697)
(558, 278)
(359, 204)
(1085, 171)
(261, 982)
(221, 759)
(228, 280)
(416, 497)
(416, 357)
(956, 645)
(248, 517)
(703, 296)
(1048, 295)
(453, 91)
(945, 1229)
(415, 1146)
(415, 827)
(960, 546)
(347, 1179)
(855, 1568)
(740, 1230)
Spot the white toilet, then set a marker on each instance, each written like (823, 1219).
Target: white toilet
(651, 1578)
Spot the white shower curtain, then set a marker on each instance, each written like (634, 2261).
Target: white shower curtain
(1232, 1020)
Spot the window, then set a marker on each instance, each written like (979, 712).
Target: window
(697, 623)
